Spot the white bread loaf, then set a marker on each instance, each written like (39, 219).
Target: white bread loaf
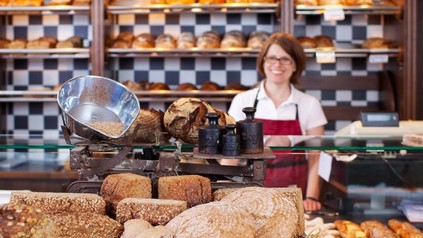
(214, 219)
(51, 203)
(116, 187)
(193, 189)
(134, 227)
(154, 211)
(156, 232)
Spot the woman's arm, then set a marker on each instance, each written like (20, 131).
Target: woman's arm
(311, 201)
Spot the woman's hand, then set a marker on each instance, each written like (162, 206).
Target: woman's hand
(311, 204)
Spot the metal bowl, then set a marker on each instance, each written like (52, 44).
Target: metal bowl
(92, 99)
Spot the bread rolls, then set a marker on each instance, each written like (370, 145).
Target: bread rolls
(143, 41)
(375, 229)
(233, 39)
(186, 87)
(186, 40)
(306, 2)
(256, 39)
(158, 86)
(404, 229)
(307, 42)
(59, 2)
(375, 43)
(165, 41)
(323, 41)
(208, 40)
(17, 44)
(72, 42)
(210, 86)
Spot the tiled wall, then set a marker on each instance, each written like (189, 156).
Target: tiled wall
(22, 74)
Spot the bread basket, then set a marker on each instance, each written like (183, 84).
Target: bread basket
(86, 101)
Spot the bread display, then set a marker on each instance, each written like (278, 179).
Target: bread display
(221, 193)
(116, 187)
(270, 208)
(182, 2)
(165, 41)
(307, 42)
(404, 229)
(234, 86)
(193, 189)
(375, 43)
(214, 219)
(306, 2)
(25, 3)
(123, 40)
(349, 229)
(158, 86)
(72, 42)
(60, 2)
(256, 39)
(81, 2)
(52, 203)
(233, 39)
(131, 85)
(19, 220)
(329, 2)
(208, 40)
(375, 229)
(151, 127)
(186, 40)
(17, 44)
(4, 43)
(154, 211)
(143, 41)
(211, 1)
(186, 87)
(357, 2)
(210, 86)
(323, 41)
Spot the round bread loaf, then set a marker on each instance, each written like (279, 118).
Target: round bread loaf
(234, 86)
(185, 116)
(233, 39)
(166, 41)
(257, 39)
(186, 40)
(158, 86)
(131, 85)
(210, 86)
(213, 220)
(329, 2)
(375, 43)
(306, 2)
(143, 41)
(186, 87)
(208, 40)
(151, 125)
(323, 41)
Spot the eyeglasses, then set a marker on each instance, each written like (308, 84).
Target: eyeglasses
(282, 61)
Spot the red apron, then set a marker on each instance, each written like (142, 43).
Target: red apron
(287, 168)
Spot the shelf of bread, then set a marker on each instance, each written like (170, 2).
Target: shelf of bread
(192, 52)
(196, 8)
(350, 10)
(353, 52)
(44, 10)
(43, 53)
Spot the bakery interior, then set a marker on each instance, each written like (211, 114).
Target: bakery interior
(362, 64)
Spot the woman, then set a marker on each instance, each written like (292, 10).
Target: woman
(285, 110)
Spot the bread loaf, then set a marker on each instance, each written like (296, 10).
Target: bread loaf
(186, 40)
(85, 225)
(19, 220)
(221, 193)
(210, 86)
(271, 207)
(214, 219)
(123, 40)
(116, 187)
(329, 2)
(404, 229)
(186, 87)
(134, 227)
(60, 2)
(349, 229)
(165, 41)
(375, 229)
(306, 2)
(156, 232)
(193, 189)
(81, 2)
(158, 86)
(257, 39)
(4, 43)
(323, 41)
(208, 40)
(233, 39)
(375, 43)
(307, 42)
(151, 126)
(154, 211)
(51, 203)
(143, 41)
(72, 42)
(17, 44)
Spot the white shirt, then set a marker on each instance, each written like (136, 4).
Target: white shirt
(310, 111)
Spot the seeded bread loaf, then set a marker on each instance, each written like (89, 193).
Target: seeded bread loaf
(154, 211)
(116, 187)
(51, 203)
(193, 189)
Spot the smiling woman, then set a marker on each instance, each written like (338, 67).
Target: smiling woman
(284, 110)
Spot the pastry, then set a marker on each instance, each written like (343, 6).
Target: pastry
(307, 42)
(375, 43)
(17, 44)
(323, 41)
(60, 2)
(375, 229)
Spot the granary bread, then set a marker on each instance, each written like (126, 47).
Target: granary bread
(193, 189)
(277, 212)
(52, 203)
(214, 219)
(151, 125)
(116, 187)
(154, 211)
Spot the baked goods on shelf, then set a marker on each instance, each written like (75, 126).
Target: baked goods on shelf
(60, 2)
(131, 85)
(151, 127)
(375, 43)
(154, 211)
(165, 41)
(60, 202)
(210, 86)
(257, 38)
(186, 87)
(116, 187)
(4, 43)
(158, 86)
(193, 189)
(17, 44)
(71, 42)
(323, 41)
(233, 39)
(123, 40)
(25, 3)
(307, 42)
(329, 2)
(357, 2)
(42, 43)
(81, 2)
(211, 1)
(306, 2)
(234, 86)
(181, 2)
(208, 40)
(134, 227)
(143, 41)
(186, 40)
(376, 229)
(404, 229)
(349, 229)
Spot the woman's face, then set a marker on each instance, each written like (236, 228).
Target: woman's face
(278, 65)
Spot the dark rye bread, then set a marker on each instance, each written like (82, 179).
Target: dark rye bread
(193, 189)
(51, 203)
